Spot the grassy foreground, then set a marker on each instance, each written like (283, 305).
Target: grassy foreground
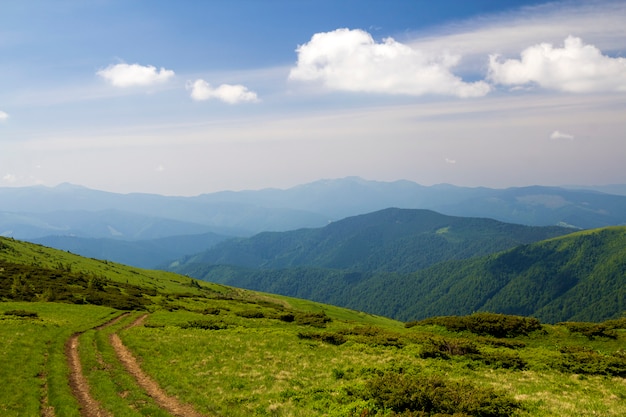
(33, 367)
(244, 361)
(230, 352)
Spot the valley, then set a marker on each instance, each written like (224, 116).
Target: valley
(398, 312)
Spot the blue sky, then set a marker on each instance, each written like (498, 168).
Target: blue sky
(184, 98)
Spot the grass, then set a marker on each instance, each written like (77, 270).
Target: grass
(116, 391)
(33, 368)
(266, 366)
(230, 352)
(261, 367)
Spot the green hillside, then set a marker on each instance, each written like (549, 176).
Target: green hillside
(581, 276)
(212, 350)
(391, 240)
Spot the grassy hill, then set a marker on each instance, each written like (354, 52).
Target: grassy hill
(223, 351)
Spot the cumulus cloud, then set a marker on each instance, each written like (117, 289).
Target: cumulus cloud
(228, 93)
(351, 60)
(575, 68)
(556, 135)
(129, 75)
(3, 116)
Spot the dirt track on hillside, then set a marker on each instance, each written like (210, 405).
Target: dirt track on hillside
(89, 407)
(167, 402)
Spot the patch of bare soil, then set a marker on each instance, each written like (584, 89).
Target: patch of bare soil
(89, 407)
(152, 388)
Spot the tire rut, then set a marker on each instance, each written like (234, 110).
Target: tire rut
(89, 407)
(167, 402)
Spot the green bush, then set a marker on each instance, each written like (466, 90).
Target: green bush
(583, 360)
(312, 319)
(491, 324)
(22, 313)
(501, 360)
(251, 314)
(204, 325)
(331, 338)
(509, 344)
(374, 336)
(287, 317)
(591, 330)
(443, 348)
(414, 395)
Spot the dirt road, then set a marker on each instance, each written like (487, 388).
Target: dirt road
(89, 407)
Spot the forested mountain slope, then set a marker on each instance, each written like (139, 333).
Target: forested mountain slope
(581, 276)
(390, 240)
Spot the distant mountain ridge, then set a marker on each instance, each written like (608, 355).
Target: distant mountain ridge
(391, 240)
(69, 210)
(244, 213)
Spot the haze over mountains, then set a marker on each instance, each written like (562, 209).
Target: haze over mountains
(392, 248)
(70, 217)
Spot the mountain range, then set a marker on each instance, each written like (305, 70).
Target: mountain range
(99, 224)
(389, 240)
(577, 276)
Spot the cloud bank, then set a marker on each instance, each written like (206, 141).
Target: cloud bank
(574, 68)
(3, 116)
(231, 94)
(351, 60)
(130, 75)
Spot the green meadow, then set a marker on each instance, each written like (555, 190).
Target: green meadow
(231, 352)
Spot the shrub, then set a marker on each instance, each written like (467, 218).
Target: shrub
(492, 324)
(204, 325)
(510, 344)
(312, 319)
(251, 314)
(22, 313)
(429, 395)
(501, 360)
(287, 317)
(374, 336)
(582, 360)
(331, 338)
(591, 330)
(444, 348)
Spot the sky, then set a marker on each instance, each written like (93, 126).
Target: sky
(185, 98)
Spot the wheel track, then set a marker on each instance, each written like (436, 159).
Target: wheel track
(152, 388)
(89, 407)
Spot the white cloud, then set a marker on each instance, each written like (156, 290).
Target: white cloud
(450, 161)
(3, 116)
(129, 75)
(351, 60)
(575, 68)
(598, 22)
(10, 178)
(560, 135)
(228, 93)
